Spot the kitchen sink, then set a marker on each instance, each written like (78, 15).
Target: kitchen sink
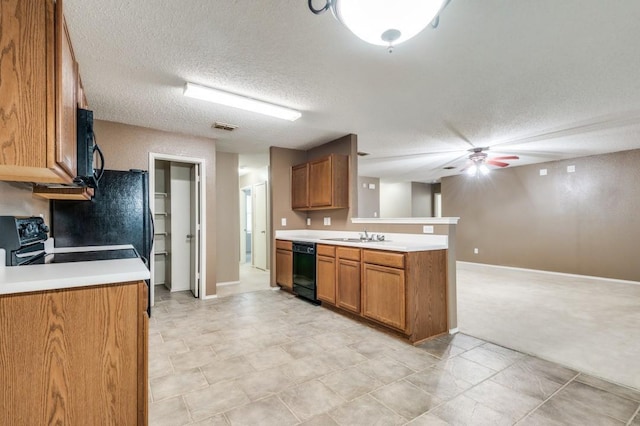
(353, 240)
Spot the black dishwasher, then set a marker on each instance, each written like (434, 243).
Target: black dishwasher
(304, 270)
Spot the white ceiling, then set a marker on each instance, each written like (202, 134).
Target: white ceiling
(543, 79)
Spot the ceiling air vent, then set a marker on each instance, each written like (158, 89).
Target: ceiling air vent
(224, 126)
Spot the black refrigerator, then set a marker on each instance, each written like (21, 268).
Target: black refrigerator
(118, 214)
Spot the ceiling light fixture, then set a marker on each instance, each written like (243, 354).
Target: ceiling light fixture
(236, 101)
(384, 22)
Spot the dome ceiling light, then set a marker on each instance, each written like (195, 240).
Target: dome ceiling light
(384, 22)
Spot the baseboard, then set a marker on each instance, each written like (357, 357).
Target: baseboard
(211, 296)
(454, 330)
(227, 283)
(564, 274)
(276, 288)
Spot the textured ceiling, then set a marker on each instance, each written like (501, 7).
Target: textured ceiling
(543, 79)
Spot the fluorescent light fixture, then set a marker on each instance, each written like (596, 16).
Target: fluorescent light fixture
(236, 101)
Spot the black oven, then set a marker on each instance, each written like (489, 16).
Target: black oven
(304, 270)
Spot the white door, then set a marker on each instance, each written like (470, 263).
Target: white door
(195, 230)
(180, 217)
(260, 226)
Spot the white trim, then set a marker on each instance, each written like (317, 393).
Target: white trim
(564, 274)
(276, 288)
(211, 296)
(408, 220)
(227, 283)
(153, 156)
(454, 330)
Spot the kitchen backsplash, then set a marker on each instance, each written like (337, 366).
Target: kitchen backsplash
(16, 199)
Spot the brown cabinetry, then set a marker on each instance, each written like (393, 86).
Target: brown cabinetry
(300, 186)
(403, 291)
(348, 278)
(284, 264)
(75, 356)
(321, 184)
(326, 273)
(383, 295)
(38, 93)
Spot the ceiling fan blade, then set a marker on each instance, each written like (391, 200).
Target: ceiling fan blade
(506, 157)
(457, 132)
(497, 163)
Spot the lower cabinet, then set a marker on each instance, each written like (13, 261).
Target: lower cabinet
(284, 264)
(348, 279)
(326, 273)
(75, 356)
(384, 295)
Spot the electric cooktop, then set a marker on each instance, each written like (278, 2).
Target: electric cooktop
(86, 256)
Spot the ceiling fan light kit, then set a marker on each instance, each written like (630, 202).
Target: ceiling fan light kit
(384, 22)
(221, 97)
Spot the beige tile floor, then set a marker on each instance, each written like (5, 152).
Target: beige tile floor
(267, 358)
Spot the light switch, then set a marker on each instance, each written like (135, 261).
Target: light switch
(543, 172)
(283, 221)
(372, 186)
(364, 185)
(571, 169)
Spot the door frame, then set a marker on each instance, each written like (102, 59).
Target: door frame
(243, 218)
(202, 254)
(253, 226)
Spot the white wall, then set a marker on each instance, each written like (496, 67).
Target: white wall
(395, 199)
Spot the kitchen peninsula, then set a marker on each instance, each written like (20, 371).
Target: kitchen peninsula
(399, 283)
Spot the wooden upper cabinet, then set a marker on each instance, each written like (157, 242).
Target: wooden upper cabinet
(300, 186)
(37, 126)
(67, 100)
(325, 185)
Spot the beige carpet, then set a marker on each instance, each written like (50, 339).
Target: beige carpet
(591, 325)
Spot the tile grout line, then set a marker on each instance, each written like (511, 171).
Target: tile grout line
(547, 399)
(636, 414)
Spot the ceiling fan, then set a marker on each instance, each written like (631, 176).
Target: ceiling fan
(479, 160)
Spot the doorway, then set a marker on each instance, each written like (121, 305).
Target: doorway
(246, 224)
(177, 202)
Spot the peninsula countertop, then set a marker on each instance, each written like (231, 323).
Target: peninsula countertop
(55, 276)
(392, 241)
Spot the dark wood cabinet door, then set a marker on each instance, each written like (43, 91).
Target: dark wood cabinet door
(320, 183)
(284, 268)
(326, 279)
(300, 186)
(383, 295)
(348, 286)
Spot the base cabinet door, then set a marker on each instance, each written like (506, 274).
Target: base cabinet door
(326, 279)
(384, 295)
(284, 268)
(74, 356)
(348, 286)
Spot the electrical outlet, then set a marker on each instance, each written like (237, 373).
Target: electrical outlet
(571, 169)
(427, 229)
(543, 172)
(283, 221)
(475, 251)
(327, 221)
(308, 221)
(364, 185)
(375, 214)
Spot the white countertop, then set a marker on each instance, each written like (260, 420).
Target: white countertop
(55, 276)
(392, 242)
